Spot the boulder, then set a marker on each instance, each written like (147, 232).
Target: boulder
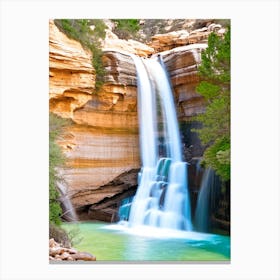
(65, 256)
(83, 256)
(54, 251)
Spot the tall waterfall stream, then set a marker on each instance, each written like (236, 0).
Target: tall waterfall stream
(162, 197)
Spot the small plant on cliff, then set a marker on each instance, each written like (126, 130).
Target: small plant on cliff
(215, 88)
(126, 28)
(56, 159)
(89, 33)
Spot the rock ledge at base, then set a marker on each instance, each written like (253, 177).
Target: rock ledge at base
(59, 253)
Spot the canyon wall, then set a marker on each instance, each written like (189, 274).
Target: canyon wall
(102, 142)
(182, 64)
(71, 74)
(101, 145)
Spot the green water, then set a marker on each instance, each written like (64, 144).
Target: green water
(119, 243)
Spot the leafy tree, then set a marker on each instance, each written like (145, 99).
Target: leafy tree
(56, 159)
(80, 30)
(215, 88)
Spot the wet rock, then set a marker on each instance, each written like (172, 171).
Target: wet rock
(106, 208)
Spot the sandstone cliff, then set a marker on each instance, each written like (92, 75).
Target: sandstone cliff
(71, 76)
(174, 39)
(182, 64)
(102, 146)
(102, 143)
(113, 42)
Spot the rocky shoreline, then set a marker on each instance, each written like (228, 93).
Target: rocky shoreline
(59, 253)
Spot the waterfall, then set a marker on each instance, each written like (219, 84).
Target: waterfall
(147, 120)
(69, 213)
(162, 198)
(206, 202)
(160, 77)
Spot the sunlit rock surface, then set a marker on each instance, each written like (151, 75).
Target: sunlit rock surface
(71, 74)
(182, 65)
(174, 39)
(113, 42)
(103, 141)
(95, 156)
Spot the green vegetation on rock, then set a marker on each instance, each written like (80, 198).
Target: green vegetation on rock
(56, 159)
(215, 88)
(90, 38)
(126, 28)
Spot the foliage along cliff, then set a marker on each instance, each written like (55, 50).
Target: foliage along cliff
(101, 145)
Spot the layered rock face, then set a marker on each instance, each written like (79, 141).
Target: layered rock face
(174, 39)
(125, 185)
(182, 65)
(103, 142)
(71, 76)
(95, 156)
(115, 105)
(113, 42)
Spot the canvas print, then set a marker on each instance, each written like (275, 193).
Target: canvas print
(139, 140)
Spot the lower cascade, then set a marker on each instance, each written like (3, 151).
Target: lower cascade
(209, 191)
(69, 213)
(162, 197)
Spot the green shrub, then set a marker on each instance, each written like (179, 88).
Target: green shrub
(56, 159)
(126, 28)
(99, 28)
(218, 157)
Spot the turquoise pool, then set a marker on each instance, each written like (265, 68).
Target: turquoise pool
(117, 242)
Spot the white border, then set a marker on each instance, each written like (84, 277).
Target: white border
(24, 138)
